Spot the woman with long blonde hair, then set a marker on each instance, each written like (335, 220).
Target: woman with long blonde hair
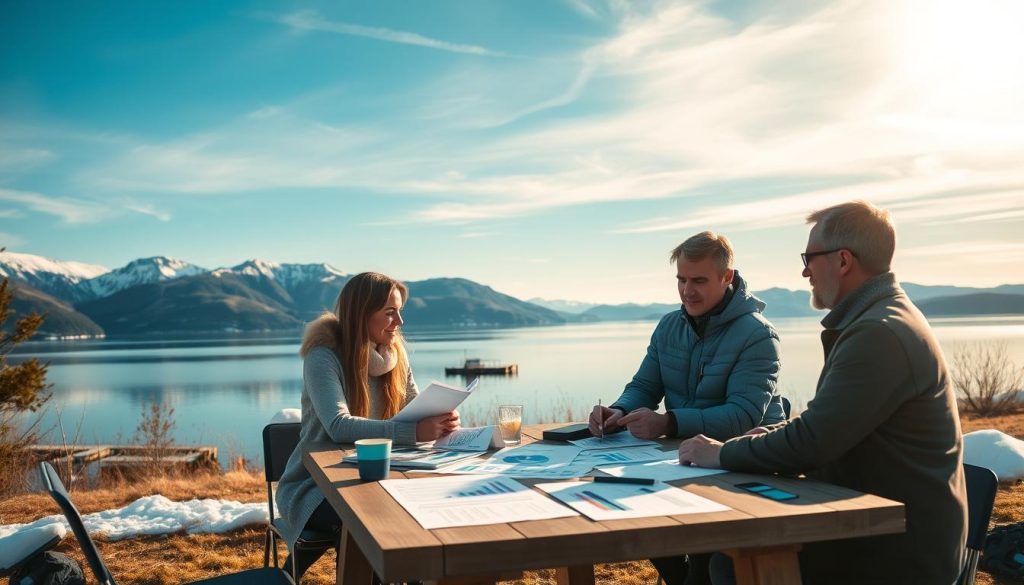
(356, 376)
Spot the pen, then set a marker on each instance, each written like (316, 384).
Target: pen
(616, 479)
(600, 417)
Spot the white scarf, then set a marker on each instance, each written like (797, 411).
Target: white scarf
(383, 359)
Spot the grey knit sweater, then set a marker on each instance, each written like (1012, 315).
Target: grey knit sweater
(325, 417)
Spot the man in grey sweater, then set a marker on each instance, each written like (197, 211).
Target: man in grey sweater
(883, 420)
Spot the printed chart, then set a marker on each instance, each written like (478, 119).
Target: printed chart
(606, 501)
(444, 502)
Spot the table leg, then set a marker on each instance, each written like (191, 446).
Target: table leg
(577, 575)
(352, 567)
(766, 566)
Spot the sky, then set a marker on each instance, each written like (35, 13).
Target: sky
(556, 149)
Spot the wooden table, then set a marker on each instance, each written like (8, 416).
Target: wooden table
(762, 536)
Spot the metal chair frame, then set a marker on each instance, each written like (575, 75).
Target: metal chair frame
(53, 484)
(982, 485)
(279, 441)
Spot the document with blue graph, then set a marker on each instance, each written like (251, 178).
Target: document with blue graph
(464, 500)
(541, 460)
(598, 457)
(617, 501)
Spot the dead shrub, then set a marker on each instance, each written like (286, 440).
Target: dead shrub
(987, 382)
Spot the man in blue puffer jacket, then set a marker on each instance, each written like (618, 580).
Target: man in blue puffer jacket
(715, 363)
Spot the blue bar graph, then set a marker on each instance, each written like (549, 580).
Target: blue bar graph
(488, 489)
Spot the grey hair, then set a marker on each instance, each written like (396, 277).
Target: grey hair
(703, 245)
(860, 227)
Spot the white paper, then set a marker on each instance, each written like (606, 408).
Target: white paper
(664, 470)
(616, 501)
(435, 399)
(414, 458)
(541, 460)
(444, 502)
(622, 456)
(467, 439)
(613, 441)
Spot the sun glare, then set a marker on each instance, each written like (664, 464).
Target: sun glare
(965, 58)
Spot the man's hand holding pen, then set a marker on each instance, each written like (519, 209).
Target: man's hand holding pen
(604, 420)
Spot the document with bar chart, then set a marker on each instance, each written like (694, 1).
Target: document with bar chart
(617, 501)
(596, 457)
(464, 500)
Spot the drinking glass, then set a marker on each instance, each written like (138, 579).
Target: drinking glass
(510, 423)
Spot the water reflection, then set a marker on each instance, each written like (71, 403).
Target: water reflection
(224, 391)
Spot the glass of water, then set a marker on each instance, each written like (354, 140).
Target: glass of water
(510, 423)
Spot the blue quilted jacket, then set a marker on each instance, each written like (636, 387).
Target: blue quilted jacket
(721, 385)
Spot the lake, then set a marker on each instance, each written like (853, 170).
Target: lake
(225, 390)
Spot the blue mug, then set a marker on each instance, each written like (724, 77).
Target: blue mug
(374, 458)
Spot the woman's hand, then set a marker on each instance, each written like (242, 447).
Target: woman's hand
(435, 427)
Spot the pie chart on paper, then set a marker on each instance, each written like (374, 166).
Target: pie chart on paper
(526, 459)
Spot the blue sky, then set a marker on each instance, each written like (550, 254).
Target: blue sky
(556, 149)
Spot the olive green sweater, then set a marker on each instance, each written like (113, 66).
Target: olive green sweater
(884, 421)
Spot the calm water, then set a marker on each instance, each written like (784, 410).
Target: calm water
(225, 391)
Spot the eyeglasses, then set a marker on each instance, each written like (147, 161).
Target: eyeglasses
(806, 256)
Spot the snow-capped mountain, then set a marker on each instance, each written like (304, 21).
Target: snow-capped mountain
(54, 277)
(287, 275)
(573, 307)
(136, 272)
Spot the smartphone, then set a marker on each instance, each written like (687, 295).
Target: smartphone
(767, 491)
(567, 433)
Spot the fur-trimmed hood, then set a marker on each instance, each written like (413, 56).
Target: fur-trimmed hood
(323, 331)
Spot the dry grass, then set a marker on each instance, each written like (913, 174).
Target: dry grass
(179, 558)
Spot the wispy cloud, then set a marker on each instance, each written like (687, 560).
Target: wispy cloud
(73, 210)
(66, 208)
(311, 20)
(583, 8)
(143, 208)
(10, 240)
(677, 105)
(976, 249)
(21, 158)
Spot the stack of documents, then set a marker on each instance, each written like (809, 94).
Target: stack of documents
(458, 446)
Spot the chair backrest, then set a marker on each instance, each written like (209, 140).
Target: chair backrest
(982, 484)
(279, 440)
(53, 484)
(786, 406)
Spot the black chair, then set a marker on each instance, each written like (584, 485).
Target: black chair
(982, 484)
(53, 484)
(279, 440)
(40, 548)
(786, 406)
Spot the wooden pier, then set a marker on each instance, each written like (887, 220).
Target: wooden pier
(128, 459)
(477, 367)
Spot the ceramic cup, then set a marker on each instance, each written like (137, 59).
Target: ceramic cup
(374, 458)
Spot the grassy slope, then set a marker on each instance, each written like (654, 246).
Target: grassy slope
(179, 558)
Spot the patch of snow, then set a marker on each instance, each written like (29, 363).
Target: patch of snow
(997, 451)
(18, 265)
(287, 275)
(16, 546)
(287, 415)
(141, 271)
(155, 515)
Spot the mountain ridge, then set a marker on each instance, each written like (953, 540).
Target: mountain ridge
(163, 295)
